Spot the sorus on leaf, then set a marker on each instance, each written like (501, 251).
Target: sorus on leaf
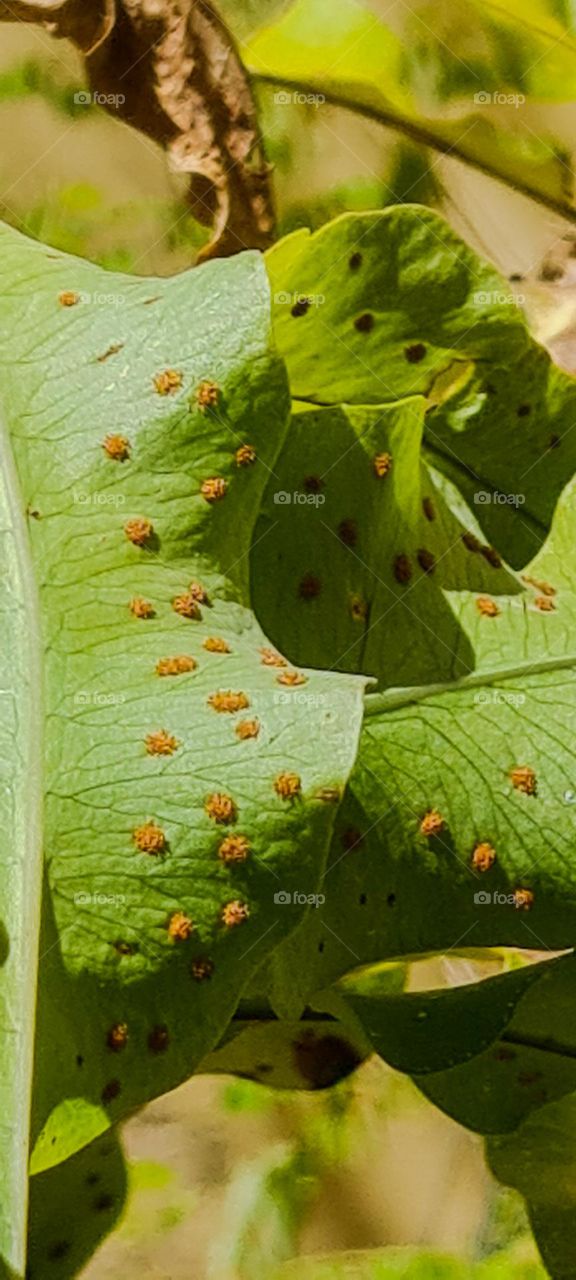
(207, 395)
(228, 701)
(432, 823)
(287, 785)
(168, 381)
(199, 593)
(175, 666)
(68, 298)
(117, 1037)
(247, 729)
(213, 489)
(187, 606)
(180, 927)
(221, 808)
(117, 448)
(202, 969)
(234, 913)
(161, 743)
(234, 849)
(269, 658)
(215, 644)
(291, 678)
(483, 857)
(149, 838)
(382, 464)
(138, 531)
(142, 608)
(158, 1039)
(402, 569)
(426, 560)
(487, 607)
(544, 604)
(523, 779)
(245, 455)
(523, 899)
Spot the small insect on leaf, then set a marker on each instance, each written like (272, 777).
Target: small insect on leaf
(234, 849)
(142, 608)
(180, 927)
(523, 899)
(269, 658)
(215, 644)
(544, 604)
(245, 455)
(402, 569)
(382, 464)
(161, 743)
(68, 298)
(117, 1037)
(228, 701)
(176, 666)
(523, 779)
(221, 808)
(432, 823)
(207, 395)
(117, 448)
(287, 785)
(487, 607)
(234, 913)
(168, 381)
(139, 531)
(483, 857)
(247, 729)
(214, 489)
(187, 606)
(292, 678)
(149, 839)
(202, 969)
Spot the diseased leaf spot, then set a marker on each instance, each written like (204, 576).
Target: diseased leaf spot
(117, 448)
(491, 555)
(471, 541)
(428, 509)
(358, 609)
(159, 1039)
(309, 587)
(323, 1061)
(554, 442)
(269, 658)
(426, 560)
(313, 484)
(487, 607)
(348, 532)
(523, 779)
(234, 849)
(523, 899)
(362, 900)
(245, 456)
(214, 489)
(382, 464)
(228, 701)
(391, 900)
(142, 608)
(180, 927)
(187, 606)
(215, 644)
(68, 298)
(432, 824)
(112, 351)
(544, 587)
(167, 382)
(124, 948)
(355, 261)
(234, 913)
(287, 785)
(104, 1203)
(111, 1091)
(221, 808)
(202, 969)
(149, 838)
(483, 857)
(291, 678)
(364, 323)
(545, 604)
(207, 395)
(301, 307)
(161, 743)
(402, 569)
(415, 353)
(523, 410)
(117, 1037)
(247, 729)
(176, 666)
(139, 531)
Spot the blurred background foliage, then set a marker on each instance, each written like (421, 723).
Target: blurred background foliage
(231, 1180)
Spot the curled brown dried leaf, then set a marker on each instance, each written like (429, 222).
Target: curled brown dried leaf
(175, 74)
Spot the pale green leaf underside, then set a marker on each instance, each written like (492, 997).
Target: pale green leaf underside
(71, 375)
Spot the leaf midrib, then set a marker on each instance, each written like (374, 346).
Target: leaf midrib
(393, 699)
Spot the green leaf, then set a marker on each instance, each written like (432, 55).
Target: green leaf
(128, 1006)
(404, 1264)
(468, 53)
(72, 1207)
(380, 306)
(539, 1161)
